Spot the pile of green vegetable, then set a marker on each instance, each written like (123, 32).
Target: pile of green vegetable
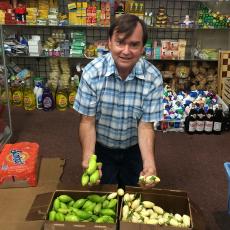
(91, 176)
(93, 208)
(136, 210)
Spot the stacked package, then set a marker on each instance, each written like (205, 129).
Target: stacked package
(19, 165)
(78, 43)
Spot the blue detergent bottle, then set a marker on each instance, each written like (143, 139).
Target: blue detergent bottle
(47, 99)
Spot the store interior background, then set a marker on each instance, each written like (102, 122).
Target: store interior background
(194, 163)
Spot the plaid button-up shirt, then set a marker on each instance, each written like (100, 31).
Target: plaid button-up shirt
(117, 104)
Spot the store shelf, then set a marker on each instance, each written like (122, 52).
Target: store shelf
(169, 27)
(55, 26)
(185, 28)
(87, 58)
(5, 116)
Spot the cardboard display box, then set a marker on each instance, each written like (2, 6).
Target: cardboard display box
(43, 204)
(172, 201)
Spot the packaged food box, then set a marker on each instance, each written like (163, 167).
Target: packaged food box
(19, 165)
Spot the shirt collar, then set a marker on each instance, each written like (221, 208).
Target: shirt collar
(137, 71)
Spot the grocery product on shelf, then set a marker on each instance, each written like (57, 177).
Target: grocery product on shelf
(179, 112)
(72, 91)
(208, 18)
(17, 95)
(161, 18)
(200, 119)
(190, 120)
(218, 119)
(61, 98)
(48, 102)
(29, 99)
(38, 92)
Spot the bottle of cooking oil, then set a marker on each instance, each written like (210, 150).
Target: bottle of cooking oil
(61, 98)
(5, 97)
(29, 98)
(72, 92)
(17, 95)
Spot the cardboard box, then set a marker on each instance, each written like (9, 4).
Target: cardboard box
(16, 202)
(43, 204)
(172, 201)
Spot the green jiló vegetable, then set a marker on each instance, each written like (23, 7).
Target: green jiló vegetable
(94, 177)
(52, 215)
(71, 218)
(92, 166)
(56, 204)
(84, 179)
(79, 203)
(95, 198)
(64, 198)
(91, 176)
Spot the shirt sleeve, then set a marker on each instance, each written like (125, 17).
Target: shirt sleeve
(85, 101)
(153, 101)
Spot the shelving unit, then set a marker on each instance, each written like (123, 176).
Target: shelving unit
(217, 38)
(5, 116)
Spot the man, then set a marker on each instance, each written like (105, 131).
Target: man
(119, 97)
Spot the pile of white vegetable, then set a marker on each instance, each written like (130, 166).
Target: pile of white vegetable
(146, 212)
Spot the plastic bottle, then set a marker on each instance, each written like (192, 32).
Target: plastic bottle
(29, 97)
(47, 99)
(5, 97)
(72, 92)
(61, 98)
(17, 95)
(38, 91)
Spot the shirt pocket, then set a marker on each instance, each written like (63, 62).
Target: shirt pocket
(135, 112)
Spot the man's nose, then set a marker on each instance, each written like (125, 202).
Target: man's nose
(126, 49)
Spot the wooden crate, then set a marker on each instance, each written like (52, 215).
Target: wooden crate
(224, 76)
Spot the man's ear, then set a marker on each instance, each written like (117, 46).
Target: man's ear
(143, 50)
(109, 43)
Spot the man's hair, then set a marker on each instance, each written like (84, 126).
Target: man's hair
(126, 24)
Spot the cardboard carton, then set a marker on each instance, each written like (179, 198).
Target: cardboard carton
(16, 202)
(172, 201)
(175, 201)
(43, 204)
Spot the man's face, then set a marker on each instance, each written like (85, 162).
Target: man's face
(127, 52)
